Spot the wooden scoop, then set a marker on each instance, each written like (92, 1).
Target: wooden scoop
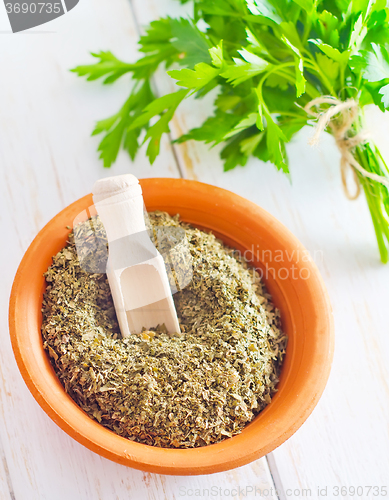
(135, 269)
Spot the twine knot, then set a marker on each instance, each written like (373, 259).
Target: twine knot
(341, 129)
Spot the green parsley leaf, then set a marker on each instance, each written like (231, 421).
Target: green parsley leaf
(116, 127)
(328, 66)
(374, 63)
(291, 126)
(308, 5)
(108, 65)
(275, 140)
(247, 122)
(357, 35)
(249, 145)
(241, 71)
(332, 52)
(216, 54)
(299, 65)
(157, 37)
(159, 106)
(195, 78)
(265, 9)
(190, 41)
(213, 129)
(384, 91)
(233, 154)
(164, 106)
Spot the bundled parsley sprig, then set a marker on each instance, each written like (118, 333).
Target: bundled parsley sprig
(268, 59)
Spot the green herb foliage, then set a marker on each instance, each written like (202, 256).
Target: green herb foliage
(267, 59)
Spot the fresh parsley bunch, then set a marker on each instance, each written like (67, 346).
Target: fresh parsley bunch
(268, 59)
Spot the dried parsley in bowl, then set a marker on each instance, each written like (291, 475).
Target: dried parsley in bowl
(170, 391)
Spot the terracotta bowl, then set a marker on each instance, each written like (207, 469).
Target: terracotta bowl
(292, 279)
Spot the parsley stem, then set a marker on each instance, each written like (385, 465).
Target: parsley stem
(288, 113)
(376, 218)
(315, 67)
(309, 89)
(275, 69)
(341, 79)
(378, 153)
(307, 29)
(374, 200)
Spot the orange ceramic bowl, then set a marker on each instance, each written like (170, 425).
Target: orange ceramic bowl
(292, 279)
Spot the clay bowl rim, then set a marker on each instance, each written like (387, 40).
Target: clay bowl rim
(274, 425)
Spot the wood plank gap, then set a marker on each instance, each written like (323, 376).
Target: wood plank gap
(275, 476)
(6, 470)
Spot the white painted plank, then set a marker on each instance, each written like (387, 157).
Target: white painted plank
(6, 489)
(47, 161)
(345, 442)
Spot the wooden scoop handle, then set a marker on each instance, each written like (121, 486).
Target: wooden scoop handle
(119, 203)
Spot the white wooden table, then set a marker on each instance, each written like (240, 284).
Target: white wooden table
(48, 160)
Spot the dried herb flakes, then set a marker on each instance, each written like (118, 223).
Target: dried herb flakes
(159, 389)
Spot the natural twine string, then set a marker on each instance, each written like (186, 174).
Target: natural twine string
(348, 111)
